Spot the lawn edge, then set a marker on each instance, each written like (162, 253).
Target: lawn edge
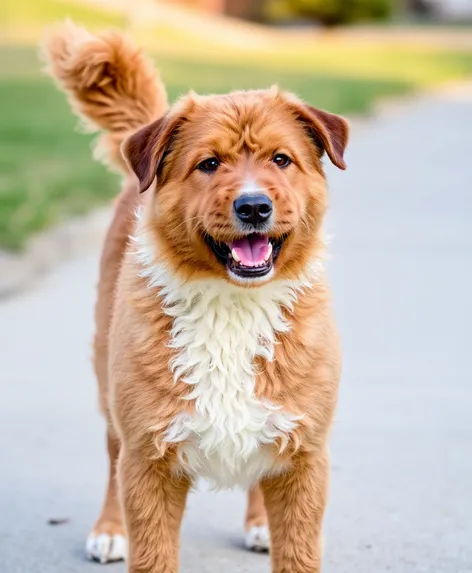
(47, 250)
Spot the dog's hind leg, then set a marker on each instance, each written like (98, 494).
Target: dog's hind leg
(107, 540)
(256, 524)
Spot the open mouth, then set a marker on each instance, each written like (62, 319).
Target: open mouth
(249, 257)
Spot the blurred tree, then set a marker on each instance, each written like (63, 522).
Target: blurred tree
(332, 12)
(422, 7)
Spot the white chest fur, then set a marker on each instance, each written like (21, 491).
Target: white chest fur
(218, 330)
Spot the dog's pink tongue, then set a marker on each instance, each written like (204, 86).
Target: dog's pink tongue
(252, 250)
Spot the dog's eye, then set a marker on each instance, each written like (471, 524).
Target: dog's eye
(281, 160)
(209, 165)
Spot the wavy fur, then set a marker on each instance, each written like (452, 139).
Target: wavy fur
(110, 84)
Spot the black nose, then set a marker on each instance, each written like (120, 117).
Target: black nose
(253, 209)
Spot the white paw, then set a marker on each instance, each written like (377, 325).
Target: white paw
(105, 548)
(257, 538)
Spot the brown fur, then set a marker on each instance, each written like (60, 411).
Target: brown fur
(112, 84)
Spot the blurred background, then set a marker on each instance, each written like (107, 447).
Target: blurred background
(337, 54)
(401, 271)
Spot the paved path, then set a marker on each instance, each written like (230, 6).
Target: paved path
(401, 496)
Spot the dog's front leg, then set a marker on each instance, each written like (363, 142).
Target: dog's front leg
(295, 503)
(153, 501)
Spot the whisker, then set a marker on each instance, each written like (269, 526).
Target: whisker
(187, 221)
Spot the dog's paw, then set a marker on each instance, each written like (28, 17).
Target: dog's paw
(106, 544)
(257, 538)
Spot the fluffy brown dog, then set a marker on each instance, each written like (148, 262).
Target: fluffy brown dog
(216, 353)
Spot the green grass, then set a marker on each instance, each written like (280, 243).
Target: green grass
(46, 169)
(25, 18)
(339, 94)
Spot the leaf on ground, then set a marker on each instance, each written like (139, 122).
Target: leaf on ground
(58, 520)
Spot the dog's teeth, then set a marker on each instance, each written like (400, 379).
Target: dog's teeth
(269, 252)
(234, 254)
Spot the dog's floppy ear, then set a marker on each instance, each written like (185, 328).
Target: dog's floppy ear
(328, 130)
(145, 149)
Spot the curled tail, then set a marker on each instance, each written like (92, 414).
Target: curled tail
(110, 84)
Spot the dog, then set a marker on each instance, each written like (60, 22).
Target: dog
(216, 352)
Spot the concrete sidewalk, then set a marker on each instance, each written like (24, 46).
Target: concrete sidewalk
(401, 499)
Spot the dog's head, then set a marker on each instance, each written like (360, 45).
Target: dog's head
(239, 187)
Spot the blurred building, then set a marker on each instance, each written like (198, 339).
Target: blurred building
(443, 9)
